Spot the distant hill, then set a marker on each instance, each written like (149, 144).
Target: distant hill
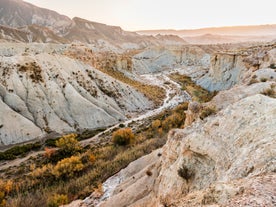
(256, 30)
(24, 22)
(221, 34)
(17, 13)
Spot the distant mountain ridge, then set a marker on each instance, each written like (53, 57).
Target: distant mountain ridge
(255, 30)
(216, 35)
(17, 13)
(24, 22)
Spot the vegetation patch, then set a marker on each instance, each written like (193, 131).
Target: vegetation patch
(263, 79)
(207, 111)
(70, 171)
(19, 151)
(198, 93)
(33, 70)
(123, 136)
(270, 91)
(253, 80)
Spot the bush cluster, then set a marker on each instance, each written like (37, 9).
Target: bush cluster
(207, 111)
(13, 152)
(5, 189)
(123, 136)
(68, 144)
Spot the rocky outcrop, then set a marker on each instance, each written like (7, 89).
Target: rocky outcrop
(225, 71)
(214, 67)
(225, 160)
(161, 59)
(237, 67)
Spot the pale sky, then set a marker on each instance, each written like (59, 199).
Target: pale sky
(167, 14)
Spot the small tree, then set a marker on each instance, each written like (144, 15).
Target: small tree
(123, 136)
(68, 167)
(68, 144)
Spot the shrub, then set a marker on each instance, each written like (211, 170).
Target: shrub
(88, 157)
(149, 173)
(123, 136)
(207, 111)
(181, 108)
(68, 167)
(57, 200)
(121, 125)
(156, 124)
(5, 189)
(13, 152)
(263, 79)
(272, 66)
(68, 144)
(185, 173)
(252, 81)
(269, 92)
(175, 120)
(89, 133)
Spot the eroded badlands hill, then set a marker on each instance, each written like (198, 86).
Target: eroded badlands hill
(49, 88)
(226, 159)
(42, 92)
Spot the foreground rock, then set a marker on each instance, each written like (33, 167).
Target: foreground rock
(226, 160)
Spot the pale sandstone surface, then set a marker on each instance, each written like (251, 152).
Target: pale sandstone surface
(231, 154)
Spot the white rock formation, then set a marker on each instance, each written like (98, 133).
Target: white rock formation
(161, 59)
(51, 92)
(229, 157)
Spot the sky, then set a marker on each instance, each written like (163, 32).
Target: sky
(166, 14)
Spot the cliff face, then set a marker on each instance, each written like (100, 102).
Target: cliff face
(237, 67)
(227, 159)
(225, 71)
(162, 59)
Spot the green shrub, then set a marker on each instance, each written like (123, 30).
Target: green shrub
(263, 79)
(89, 133)
(51, 142)
(13, 152)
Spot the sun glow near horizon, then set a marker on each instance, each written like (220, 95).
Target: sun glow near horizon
(166, 14)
